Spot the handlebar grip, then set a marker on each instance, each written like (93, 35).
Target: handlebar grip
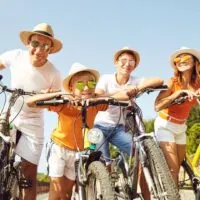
(52, 102)
(109, 102)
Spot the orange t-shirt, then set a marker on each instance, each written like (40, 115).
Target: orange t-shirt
(68, 132)
(180, 111)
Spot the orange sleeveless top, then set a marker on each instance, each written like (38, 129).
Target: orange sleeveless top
(178, 113)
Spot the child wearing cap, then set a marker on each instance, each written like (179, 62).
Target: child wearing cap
(170, 125)
(67, 137)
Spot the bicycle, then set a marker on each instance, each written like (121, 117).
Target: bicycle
(11, 179)
(191, 174)
(147, 152)
(92, 178)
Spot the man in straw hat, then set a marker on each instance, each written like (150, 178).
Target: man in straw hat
(32, 71)
(126, 60)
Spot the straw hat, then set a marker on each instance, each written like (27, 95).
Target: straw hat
(76, 68)
(184, 50)
(127, 50)
(45, 30)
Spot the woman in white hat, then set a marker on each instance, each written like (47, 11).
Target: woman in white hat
(170, 125)
(32, 71)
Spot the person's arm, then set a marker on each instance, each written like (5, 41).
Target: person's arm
(99, 92)
(31, 101)
(165, 98)
(123, 95)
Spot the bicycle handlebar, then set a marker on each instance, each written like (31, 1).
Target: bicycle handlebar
(151, 89)
(55, 102)
(109, 101)
(17, 91)
(182, 99)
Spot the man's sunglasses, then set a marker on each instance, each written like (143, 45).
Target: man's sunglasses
(36, 44)
(124, 61)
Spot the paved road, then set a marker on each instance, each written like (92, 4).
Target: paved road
(42, 196)
(185, 195)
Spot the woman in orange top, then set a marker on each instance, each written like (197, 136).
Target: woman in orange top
(67, 137)
(170, 125)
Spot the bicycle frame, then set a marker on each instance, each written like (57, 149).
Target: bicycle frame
(11, 176)
(142, 143)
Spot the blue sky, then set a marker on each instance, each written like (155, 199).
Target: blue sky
(91, 32)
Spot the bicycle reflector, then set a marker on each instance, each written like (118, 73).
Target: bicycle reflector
(95, 136)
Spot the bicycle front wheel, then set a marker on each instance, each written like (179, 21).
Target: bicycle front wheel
(99, 184)
(164, 185)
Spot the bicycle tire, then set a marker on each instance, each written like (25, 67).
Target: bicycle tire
(197, 195)
(12, 189)
(4, 151)
(98, 182)
(162, 178)
(193, 180)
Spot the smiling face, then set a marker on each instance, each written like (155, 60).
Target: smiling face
(39, 47)
(83, 85)
(125, 64)
(184, 62)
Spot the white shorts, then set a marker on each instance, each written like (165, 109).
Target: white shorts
(60, 161)
(29, 149)
(167, 131)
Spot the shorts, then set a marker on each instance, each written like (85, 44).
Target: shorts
(60, 161)
(167, 131)
(29, 149)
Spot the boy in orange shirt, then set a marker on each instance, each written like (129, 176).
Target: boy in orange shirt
(67, 137)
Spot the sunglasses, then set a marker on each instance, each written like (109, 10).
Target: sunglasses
(185, 58)
(36, 44)
(90, 84)
(131, 62)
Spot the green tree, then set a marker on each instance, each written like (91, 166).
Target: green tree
(42, 177)
(194, 116)
(193, 138)
(149, 125)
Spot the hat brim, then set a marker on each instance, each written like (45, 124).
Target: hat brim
(134, 53)
(193, 52)
(25, 35)
(66, 81)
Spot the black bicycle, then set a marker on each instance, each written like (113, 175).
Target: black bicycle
(147, 153)
(11, 179)
(92, 178)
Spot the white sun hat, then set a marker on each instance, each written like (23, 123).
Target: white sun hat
(76, 68)
(184, 50)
